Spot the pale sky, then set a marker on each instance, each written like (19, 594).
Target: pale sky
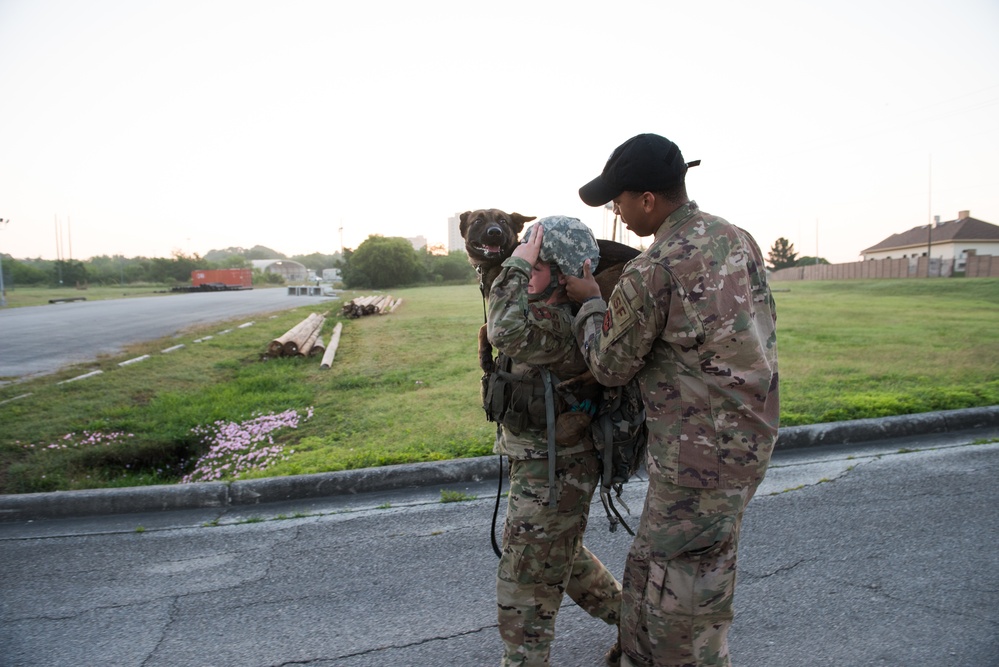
(140, 127)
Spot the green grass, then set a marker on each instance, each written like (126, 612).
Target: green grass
(455, 496)
(405, 387)
(856, 349)
(37, 296)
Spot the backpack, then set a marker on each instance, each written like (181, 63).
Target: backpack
(621, 437)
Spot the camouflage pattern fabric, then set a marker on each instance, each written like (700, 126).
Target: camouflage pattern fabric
(679, 579)
(693, 319)
(531, 333)
(567, 243)
(544, 557)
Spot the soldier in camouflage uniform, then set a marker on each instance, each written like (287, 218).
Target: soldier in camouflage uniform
(530, 321)
(693, 318)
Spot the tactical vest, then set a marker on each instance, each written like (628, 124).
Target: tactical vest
(614, 418)
(516, 400)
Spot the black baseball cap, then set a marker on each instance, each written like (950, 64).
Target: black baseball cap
(645, 163)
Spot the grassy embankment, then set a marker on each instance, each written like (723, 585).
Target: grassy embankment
(405, 387)
(37, 296)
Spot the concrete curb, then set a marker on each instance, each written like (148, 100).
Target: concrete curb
(98, 502)
(887, 428)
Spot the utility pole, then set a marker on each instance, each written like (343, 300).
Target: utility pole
(58, 231)
(3, 290)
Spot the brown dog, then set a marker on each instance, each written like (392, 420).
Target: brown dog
(490, 237)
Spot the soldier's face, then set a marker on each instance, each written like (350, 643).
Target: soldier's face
(634, 212)
(541, 276)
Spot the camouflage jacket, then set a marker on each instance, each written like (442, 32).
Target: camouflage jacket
(531, 334)
(693, 319)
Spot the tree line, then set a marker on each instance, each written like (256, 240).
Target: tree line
(379, 262)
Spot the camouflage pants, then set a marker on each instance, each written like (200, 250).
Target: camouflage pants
(544, 557)
(679, 580)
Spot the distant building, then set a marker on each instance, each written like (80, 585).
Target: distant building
(418, 242)
(953, 240)
(331, 275)
(292, 271)
(454, 240)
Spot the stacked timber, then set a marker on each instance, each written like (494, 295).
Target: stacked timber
(313, 345)
(300, 340)
(369, 305)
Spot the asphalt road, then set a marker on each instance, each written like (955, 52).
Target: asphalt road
(42, 339)
(882, 554)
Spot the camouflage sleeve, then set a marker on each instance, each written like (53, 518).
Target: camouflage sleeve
(616, 336)
(529, 333)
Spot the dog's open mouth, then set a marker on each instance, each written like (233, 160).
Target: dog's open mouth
(488, 250)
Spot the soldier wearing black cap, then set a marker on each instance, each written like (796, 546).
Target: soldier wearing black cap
(693, 319)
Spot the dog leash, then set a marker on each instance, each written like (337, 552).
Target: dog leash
(499, 493)
(499, 488)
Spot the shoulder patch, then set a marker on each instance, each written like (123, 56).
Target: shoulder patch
(541, 313)
(619, 318)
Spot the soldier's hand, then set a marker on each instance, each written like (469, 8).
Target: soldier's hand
(529, 250)
(581, 289)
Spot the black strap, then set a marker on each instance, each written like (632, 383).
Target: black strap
(547, 376)
(499, 492)
(499, 488)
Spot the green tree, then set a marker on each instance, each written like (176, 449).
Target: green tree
(782, 254)
(234, 262)
(69, 272)
(452, 267)
(22, 273)
(809, 261)
(263, 252)
(183, 265)
(261, 278)
(381, 262)
(317, 261)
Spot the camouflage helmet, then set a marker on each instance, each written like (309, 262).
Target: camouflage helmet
(567, 243)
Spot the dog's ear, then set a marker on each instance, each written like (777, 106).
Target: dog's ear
(463, 226)
(519, 221)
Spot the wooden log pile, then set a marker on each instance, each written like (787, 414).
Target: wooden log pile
(305, 339)
(370, 305)
(302, 340)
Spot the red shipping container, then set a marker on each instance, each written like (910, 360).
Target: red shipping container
(231, 278)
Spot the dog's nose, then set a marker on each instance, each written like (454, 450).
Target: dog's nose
(495, 231)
